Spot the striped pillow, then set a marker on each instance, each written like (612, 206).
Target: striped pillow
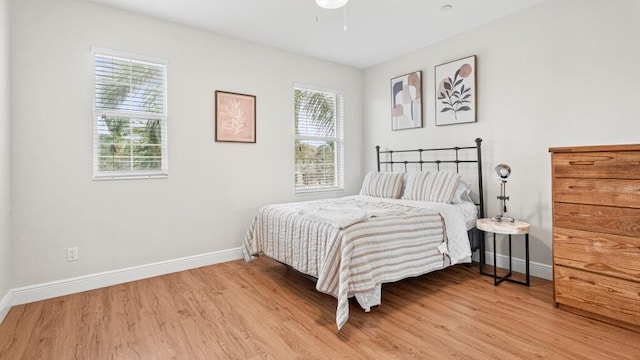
(383, 184)
(438, 186)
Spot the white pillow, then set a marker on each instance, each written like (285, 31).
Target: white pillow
(462, 193)
(383, 184)
(437, 186)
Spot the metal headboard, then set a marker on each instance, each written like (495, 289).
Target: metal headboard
(440, 151)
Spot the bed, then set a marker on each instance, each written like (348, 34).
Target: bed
(407, 221)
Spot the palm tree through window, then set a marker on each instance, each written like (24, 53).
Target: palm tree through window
(319, 139)
(130, 116)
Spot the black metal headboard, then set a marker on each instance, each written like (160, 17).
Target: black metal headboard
(454, 152)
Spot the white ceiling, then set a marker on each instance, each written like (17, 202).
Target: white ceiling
(377, 30)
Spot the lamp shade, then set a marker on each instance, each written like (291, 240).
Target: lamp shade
(331, 4)
(503, 170)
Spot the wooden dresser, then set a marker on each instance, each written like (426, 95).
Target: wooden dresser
(596, 232)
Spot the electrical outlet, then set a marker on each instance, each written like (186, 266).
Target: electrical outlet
(72, 253)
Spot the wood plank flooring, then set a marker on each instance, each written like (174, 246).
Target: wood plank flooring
(265, 310)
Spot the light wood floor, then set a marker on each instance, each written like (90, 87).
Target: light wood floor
(264, 310)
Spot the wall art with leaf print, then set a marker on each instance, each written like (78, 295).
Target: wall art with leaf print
(456, 92)
(235, 117)
(406, 101)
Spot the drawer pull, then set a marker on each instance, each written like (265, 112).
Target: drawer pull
(583, 187)
(582, 280)
(584, 162)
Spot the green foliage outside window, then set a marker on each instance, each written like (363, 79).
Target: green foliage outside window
(129, 105)
(316, 143)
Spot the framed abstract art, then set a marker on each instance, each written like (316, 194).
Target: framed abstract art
(406, 101)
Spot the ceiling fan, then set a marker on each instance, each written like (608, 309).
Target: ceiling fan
(331, 4)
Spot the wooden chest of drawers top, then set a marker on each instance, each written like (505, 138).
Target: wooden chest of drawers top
(606, 162)
(597, 188)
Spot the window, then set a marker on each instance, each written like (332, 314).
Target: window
(319, 143)
(129, 115)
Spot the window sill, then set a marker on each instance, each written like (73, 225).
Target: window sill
(319, 191)
(129, 177)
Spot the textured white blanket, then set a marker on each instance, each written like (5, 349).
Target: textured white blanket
(344, 215)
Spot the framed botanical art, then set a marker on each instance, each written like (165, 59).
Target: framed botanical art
(406, 101)
(235, 117)
(456, 92)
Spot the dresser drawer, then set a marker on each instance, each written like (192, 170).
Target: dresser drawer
(601, 253)
(607, 165)
(612, 192)
(601, 219)
(608, 296)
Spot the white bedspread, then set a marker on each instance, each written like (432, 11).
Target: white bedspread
(392, 240)
(345, 214)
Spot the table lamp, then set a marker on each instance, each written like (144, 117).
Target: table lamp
(503, 172)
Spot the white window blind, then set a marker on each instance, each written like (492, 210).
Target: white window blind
(319, 144)
(130, 116)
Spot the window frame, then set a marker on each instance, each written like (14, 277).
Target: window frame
(163, 172)
(338, 138)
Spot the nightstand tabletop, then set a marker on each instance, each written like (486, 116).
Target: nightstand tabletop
(503, 227)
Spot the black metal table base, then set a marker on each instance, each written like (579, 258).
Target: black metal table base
(507, 277)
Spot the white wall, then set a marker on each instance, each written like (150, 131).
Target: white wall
(5, 203)
(557, 74)
(213, 189)
(561, 73)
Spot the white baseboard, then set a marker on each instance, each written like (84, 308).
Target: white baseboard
(536, 269)
(53, 289)
(5, 305)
